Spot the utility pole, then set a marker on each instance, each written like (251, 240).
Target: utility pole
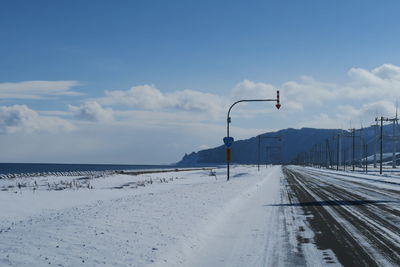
(349, 152)
(353, 136)
(344, 159)
(380, 167)
(277, 152)
(314, 155)
(361, 145)
(394, 139)
(381, 145)
(279, 138)
(320, 155)
(259, 141)
(375, 140)
(339, 149)
(326, 154)
(308, 159)
(366, 158)
(394, 145)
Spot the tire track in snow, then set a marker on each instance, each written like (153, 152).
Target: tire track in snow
(369, 229)
(243, 233)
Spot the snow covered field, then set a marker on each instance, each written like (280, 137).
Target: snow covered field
(167, 219)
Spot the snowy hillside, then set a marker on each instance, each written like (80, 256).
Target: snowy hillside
(284, 150)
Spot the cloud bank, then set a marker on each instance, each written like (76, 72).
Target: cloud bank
(121, 123)
(92, 111)
(148, 97)
(19, 118)
(376, 88)
(37, 89)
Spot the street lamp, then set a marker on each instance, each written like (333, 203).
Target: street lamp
(229, 140)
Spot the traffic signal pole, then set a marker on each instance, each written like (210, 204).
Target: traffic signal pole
(228, 121)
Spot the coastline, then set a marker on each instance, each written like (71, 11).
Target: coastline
(99, 173)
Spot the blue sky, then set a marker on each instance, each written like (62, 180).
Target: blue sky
(147, 81)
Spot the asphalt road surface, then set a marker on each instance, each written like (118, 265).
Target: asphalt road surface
(356, 217)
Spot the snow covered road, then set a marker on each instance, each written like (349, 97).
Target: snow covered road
(356, 216)
(276, 217)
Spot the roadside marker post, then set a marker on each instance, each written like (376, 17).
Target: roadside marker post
(228, 154)
(228, 141)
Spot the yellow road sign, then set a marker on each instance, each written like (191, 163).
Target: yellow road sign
(228, 154)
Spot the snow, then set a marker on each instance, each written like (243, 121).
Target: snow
(170, 219)
(186, 218)
(380, 221)
(385, 156)
(390, 180)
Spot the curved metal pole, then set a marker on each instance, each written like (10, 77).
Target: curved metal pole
(228, 120)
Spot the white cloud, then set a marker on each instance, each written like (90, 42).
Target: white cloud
(382, 82)
(150, 98)
(379, 84)
(256, 90)
(367, 111)
(142, 96)
(154, 126)
(141, 141)
(37, 89)
(251, 90)
(212, 106)
(19, 118)
(367, 93)
(308, 90)
(92, 111)
(346, 116)
(197, 101)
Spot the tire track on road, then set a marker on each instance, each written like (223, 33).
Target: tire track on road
(329, 234)
(353, 221)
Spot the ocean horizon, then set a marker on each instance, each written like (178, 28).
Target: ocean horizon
(21, 168)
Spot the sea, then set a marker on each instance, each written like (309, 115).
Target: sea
(21, 168)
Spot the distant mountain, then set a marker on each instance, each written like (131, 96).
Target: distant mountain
(291, 143)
